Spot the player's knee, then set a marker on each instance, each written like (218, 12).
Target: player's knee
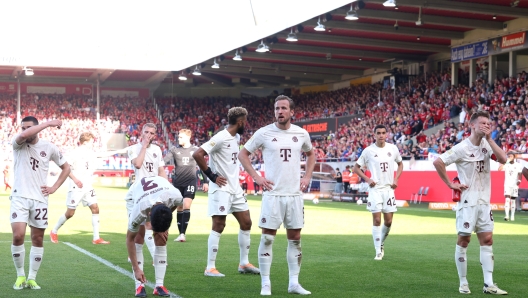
(268, 239)
(376, 222)
(487, 241)
(218, 226)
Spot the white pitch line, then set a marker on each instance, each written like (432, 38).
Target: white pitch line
(115, 267)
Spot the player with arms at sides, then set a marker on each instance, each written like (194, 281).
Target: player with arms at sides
(185, 178)
(473, 212)
(29, 198)
(380, 158)
(6, 178)
(282, 200)
(154, 200)
(225, 194)
(146, 158)
(83, 163)
(512, 179)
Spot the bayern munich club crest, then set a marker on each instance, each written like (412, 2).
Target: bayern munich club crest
(42, 153)
(461, 259)
(484, 150)
(14, 215)
(295, 139)
(155, 155)
(466, 225)
(263, 220)
(388, 153)
(222, 209)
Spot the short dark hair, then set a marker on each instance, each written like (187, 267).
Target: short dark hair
(235, 113)
(284, 97)
(477, 114)
(30, 119)
(379, 126)
(160, 218)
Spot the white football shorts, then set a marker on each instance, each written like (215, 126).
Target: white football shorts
(478, 219)
(381, 200)
(511, 191)
(32, 212)
(277, 210)
(86, 196)
(224, 203)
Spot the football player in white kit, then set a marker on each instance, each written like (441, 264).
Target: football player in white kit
(282, 200)
(380, 158)
(83, 163)
(473, 212)
(225, 194)
(512, 179)
(147, 160)
(29, 197)
(154, 200)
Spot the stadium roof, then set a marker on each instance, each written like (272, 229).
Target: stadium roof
(139, 54)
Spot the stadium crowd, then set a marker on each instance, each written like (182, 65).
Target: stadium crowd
(407, 112)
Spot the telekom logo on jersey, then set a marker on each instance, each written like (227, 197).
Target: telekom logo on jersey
(34, 163)
(149, 166)
(285, 154)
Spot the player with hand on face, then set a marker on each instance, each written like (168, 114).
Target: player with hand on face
(147, 161)
(282, 200)
(225, 194)
(512, 179)
(154, 200)
(29, 197)
(185, 179)
(473, 212)
(380, 158)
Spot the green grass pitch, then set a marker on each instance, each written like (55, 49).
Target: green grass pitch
(338, 254)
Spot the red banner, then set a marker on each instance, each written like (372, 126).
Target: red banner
(513, 40)
(410, 183)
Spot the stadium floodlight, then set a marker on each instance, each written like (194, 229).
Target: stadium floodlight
(292, 36)
(237, 56)
(352, 14)
(262, 48)
(389, 3)
(28, 71)
(215, 65)
(319, 27)
(182, 77)
(196, 71)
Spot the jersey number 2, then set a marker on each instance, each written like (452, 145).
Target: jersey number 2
(148, 184)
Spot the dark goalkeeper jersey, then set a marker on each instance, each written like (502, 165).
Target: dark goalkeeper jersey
(184, 163)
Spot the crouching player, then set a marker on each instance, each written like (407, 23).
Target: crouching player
(154, 200)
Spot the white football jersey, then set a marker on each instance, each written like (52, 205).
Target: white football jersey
(223, 151)
(473, 167)
(381, 163)
(148, 191)
(31, 166)
(511, 172)
(83, 163)
(281, 150)
(153, 160)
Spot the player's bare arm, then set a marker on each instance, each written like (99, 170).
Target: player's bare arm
(47, 190)
(199, 157)
(29, 129)
(499, 153)
(161, 173)
(75, 180)
(146, 139)
(310, 164)
(398, 174)
(359, 172)
(131, 247)
(243, 157)
(441, 170)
